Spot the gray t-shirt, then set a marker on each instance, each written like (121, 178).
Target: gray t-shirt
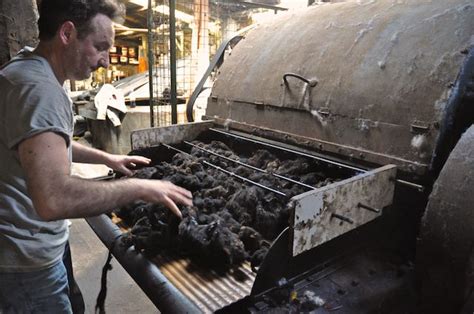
(32, 101)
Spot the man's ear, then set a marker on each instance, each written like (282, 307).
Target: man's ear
(67, 32)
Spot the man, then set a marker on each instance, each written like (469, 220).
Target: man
(37, 191)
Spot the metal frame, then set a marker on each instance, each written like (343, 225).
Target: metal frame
(337, 208)
(146, 274)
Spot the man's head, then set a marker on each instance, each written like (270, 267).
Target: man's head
(53, 13)
(81, 32)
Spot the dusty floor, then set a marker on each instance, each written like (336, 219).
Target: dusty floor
(89, 256)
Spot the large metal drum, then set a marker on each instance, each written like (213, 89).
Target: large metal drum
(380, 81)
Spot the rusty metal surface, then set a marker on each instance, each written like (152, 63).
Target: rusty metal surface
(171, 134)
(384, 71)
(208, 290)
(335, 209)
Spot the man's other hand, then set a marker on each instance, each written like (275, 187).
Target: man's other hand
(166, 193)
(125, 164)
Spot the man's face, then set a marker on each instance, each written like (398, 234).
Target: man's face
(92, 52)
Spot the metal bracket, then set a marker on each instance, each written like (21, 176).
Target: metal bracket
(335, 209)
(419, 127)
(309, 83)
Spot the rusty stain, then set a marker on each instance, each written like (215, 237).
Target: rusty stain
(342, 198)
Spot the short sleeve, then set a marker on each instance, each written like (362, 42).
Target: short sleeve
(36, 108)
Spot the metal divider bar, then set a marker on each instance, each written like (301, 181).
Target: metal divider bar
(227, 172)
(290, 150)
(250, 166)
(418, 187)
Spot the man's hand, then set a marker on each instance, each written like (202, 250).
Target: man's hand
(124, 163)
(121, 163)
(58, 195)
(166, 193)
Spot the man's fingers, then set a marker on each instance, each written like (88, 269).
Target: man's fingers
(182, 199)
(168, 202)
(139, 160)
(169, 194)
(178, 195)
(181, 195)
(126, 171)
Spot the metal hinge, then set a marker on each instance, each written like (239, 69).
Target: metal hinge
(420, 127)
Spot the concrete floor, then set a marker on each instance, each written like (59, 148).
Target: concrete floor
(89, 256)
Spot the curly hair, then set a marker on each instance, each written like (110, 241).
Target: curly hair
(53, 13)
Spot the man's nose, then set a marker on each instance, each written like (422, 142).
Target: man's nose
(104, 61)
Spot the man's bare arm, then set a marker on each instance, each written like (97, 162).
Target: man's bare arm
(121, 163)
(58, 195)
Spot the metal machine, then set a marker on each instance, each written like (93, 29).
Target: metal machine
(382, 91)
